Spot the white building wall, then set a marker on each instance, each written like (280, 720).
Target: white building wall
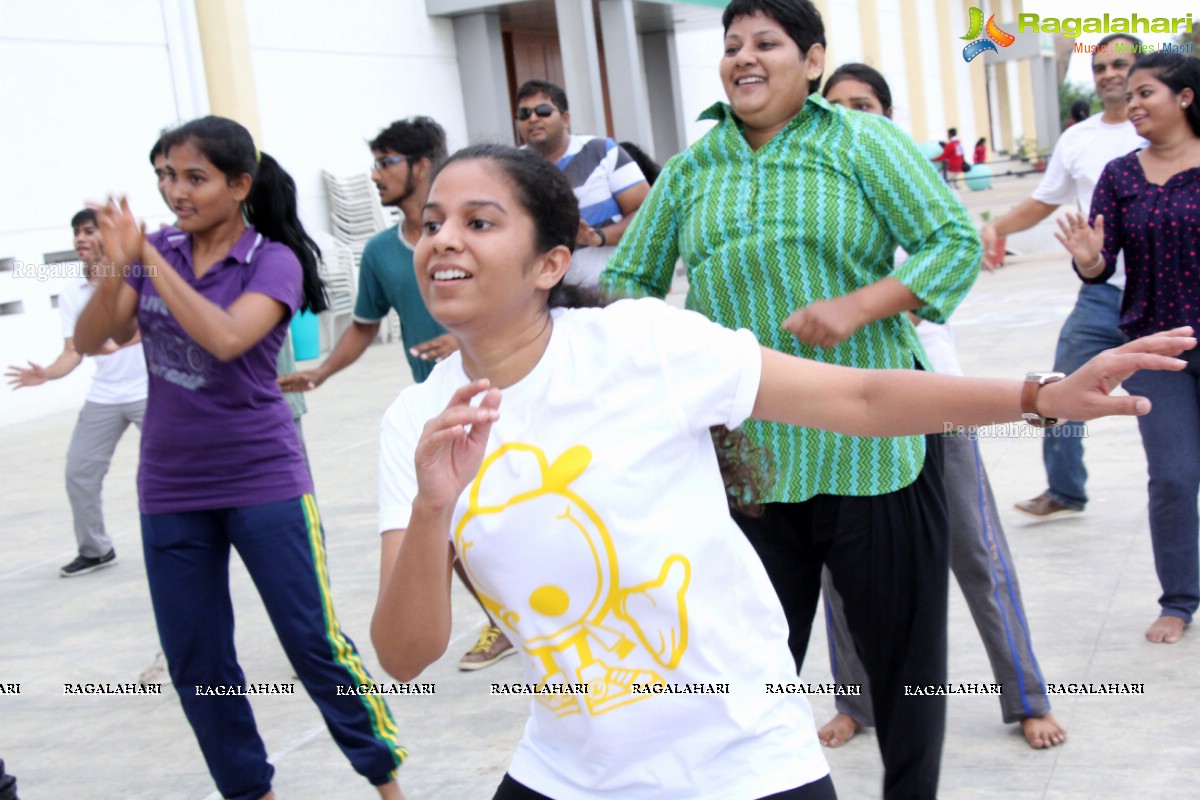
(330, 76)
(843, 33)
(85, 92)
(99, 85)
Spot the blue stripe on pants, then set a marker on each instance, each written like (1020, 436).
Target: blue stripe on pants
(282, 546)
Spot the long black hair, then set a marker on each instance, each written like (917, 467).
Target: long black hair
(546, 195)
(1177, 72)
(271, 205)
(863, 74)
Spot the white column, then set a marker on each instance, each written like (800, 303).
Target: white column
(626, 84)
(663, 96)
(482, 73)
(581, 65)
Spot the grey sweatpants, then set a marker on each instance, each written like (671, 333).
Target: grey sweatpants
(984, 569)
(97, 432)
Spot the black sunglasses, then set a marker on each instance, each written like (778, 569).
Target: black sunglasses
(543, 110)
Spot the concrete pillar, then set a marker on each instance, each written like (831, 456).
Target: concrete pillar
(868, 31)
(581, 65)
(626, 85)
(483, 76)
(663, 95)
(823, 10)
(914, 71)
(949, 56)
(228, 65)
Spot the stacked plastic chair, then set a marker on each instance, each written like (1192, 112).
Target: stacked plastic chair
(337, 270)
(356, 215)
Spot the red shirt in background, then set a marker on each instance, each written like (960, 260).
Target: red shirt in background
(952, 154)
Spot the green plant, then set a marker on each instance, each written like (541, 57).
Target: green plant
(1025, 149)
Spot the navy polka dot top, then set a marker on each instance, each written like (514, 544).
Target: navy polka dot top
(1158, 228)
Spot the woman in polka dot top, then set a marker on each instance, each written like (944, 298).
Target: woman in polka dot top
(1147, 206)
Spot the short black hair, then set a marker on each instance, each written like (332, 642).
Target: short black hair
(799, 19)
(1129, 37)
(415, 137)
(868, 75)
(953, 132)
(552, 90)
(83, 218)
(1080, 110)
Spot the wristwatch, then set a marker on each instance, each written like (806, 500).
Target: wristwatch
(1034, 381)
(603, 237)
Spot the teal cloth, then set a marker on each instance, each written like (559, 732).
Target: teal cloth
(385, 281)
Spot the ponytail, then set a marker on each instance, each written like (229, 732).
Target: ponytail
(271, 205)
(271, 209)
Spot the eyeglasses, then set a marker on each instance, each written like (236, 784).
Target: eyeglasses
(381, 164)
(543, 110)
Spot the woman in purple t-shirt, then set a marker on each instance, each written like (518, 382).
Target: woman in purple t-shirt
(221, 465)
(1147, 205)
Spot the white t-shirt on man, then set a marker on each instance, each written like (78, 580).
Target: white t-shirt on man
(598, 535)
(121, 376)
(1082, 152)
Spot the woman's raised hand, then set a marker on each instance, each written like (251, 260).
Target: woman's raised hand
(124, 235)
(450, 450)
(1083, 241)
(1085, 393)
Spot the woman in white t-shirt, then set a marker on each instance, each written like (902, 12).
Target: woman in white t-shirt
(591, 514)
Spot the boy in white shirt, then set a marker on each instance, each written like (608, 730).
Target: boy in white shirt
(117, 397)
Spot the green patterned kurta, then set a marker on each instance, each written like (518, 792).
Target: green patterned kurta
(815, 213)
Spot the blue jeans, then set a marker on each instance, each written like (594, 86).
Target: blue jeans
(1090, 329)
(1171, 438)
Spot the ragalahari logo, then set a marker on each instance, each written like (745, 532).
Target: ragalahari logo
(995, 36)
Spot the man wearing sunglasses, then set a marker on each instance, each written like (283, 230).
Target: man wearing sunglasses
(608, 183)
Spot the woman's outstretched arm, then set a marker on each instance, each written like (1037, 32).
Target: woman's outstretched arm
(866, 402)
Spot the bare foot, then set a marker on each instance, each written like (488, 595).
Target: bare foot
(390, 791)
(838, 730)
(1043, 732)
(1165, 630)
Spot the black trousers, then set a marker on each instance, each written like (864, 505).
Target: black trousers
(817, 790)
(889, 559)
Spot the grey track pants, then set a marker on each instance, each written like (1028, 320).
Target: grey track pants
(97, 432)
(984, 570)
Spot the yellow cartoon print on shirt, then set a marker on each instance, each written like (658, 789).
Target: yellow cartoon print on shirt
(566, 607)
